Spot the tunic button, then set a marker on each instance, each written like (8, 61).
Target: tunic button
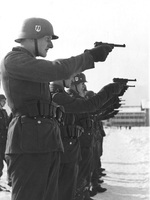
(39, 122)
(88, 133)
(70, 143)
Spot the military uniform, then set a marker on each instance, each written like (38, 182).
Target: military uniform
(34, 142)
(105, 112)
(87, 138)
(3, 137)
(70, 132)
(97, 149)
(86, 143)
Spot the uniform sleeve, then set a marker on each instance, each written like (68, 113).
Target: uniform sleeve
(77, 105)
(25, 67)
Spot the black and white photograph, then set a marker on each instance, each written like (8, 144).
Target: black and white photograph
(74, 100)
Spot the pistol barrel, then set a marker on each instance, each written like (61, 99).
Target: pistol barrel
(122, 80)
(130, 85)
(111, 44)
(119, 45)
(132, 79)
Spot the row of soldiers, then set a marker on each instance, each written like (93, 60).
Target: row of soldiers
(82, 136)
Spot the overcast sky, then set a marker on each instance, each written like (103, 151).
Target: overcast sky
(79, 23)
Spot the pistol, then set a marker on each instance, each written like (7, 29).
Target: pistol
(111, 44)
(124, 80)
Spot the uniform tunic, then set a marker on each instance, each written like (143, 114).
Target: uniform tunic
(69, 159)
(97, 151)
(3, 137)
(86, 143)
(34, 142)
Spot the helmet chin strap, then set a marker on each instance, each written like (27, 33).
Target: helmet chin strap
(64, 84)
(1, 106)
(76, 89)
(36, 47)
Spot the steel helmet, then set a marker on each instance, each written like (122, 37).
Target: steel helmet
(35, 28)
(79, 78)
(2, 97)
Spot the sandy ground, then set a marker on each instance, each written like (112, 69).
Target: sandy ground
(126, 160)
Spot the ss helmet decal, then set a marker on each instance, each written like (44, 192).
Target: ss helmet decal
(37, 28)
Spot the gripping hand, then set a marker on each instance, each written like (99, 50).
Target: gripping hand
(100, 53)
(114, 88)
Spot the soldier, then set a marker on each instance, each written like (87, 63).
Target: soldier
(87, 141)
(4, 123)
(77, 90)
(97, 152)
(105, 112)
(4, 120)
(34, 143)
(70, 133)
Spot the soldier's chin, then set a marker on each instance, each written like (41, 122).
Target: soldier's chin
(43, 54)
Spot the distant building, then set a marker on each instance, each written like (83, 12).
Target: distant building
(130, 116)
(145, 105)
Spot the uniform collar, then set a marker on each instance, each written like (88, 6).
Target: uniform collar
(22, 49)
